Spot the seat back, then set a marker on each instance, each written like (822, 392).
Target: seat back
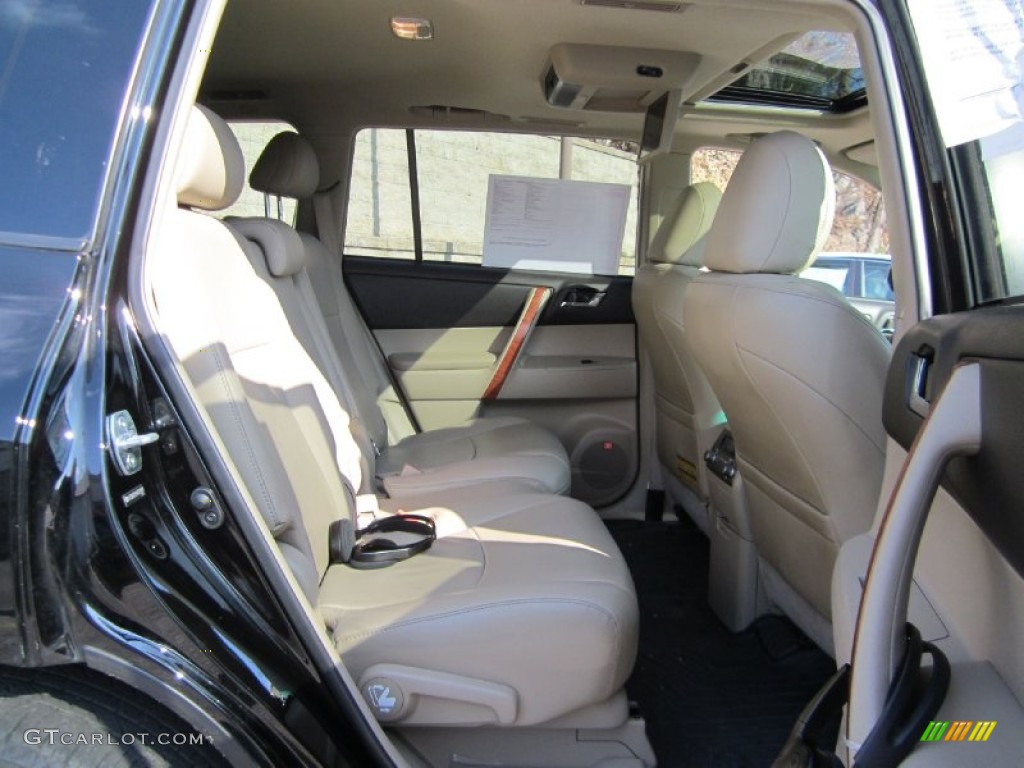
(288, 167)
(798, 370)
(687, 411)
(277, 416)
(280, 261)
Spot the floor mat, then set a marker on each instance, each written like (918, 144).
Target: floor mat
(711, 698)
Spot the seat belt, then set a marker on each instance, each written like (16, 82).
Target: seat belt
(326, 224)
(327, 231)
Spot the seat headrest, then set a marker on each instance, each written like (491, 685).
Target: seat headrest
(281, 245)
(288, 167)
(777, 211)
(211, 169)
(687, 222)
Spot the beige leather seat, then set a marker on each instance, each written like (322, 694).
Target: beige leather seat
(525, 616)
(798, 370)
(688, 416)
(408, 464)
(279, 261)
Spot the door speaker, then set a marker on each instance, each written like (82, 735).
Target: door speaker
(602, 466)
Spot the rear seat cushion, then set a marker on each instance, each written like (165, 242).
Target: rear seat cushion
(537, 598)
(486, 449)
(454, 510)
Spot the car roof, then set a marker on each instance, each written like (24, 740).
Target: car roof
(331, 66)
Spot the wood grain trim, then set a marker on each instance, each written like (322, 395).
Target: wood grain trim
(535, 302)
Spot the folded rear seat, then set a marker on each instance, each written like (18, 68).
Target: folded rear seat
(526, 616)
(407, 464)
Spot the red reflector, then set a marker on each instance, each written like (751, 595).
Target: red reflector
(608, 445)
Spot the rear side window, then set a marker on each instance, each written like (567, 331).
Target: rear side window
(469, 183)
(380, 221)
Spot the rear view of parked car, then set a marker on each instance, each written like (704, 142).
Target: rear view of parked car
(864, 279)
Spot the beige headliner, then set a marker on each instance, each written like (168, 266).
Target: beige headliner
(331, 66)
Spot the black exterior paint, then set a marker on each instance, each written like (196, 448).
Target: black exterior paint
(65, 75)
(33, 292)
(140, 591)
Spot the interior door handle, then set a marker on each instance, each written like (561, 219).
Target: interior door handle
(579, 298)
(918, 374)
(953, 429)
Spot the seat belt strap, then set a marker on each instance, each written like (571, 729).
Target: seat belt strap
(326, 224)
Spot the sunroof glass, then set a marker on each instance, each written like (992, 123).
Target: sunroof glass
(818, 70)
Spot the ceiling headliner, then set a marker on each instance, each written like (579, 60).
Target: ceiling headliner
(329, 66)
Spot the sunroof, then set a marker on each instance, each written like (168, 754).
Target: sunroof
(820, 70)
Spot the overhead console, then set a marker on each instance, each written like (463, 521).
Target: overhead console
(613, 79)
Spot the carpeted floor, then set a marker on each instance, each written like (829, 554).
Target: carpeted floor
(711, 698)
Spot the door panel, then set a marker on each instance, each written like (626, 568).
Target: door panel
(969, 570)
(954, 412)
(576, 362)
(445, 329)
(990, 485)
(397, 293)
(880, 313)
(443, 372)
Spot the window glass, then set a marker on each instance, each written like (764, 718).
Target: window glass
(1003, 174)
(64, 71)
(253, 138)
(379, 221)
(819, 70)
(972, 57)
(614, 162)
(454, 171)
(833, 274)
(876, 281)
(859, 225)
